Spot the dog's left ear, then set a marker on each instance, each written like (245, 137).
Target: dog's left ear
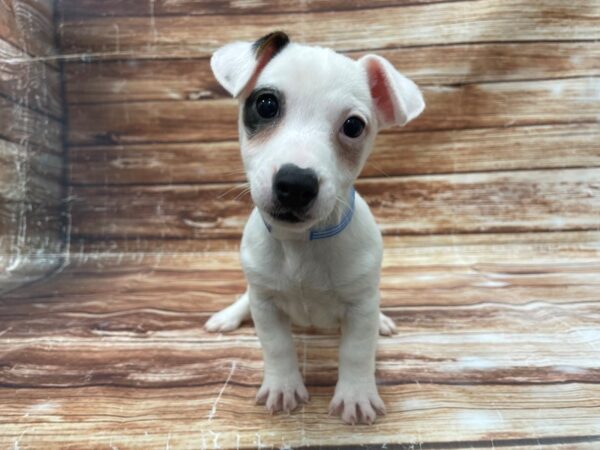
(397, 99)
(236, 66)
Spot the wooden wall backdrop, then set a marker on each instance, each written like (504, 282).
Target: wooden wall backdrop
(489, 203)
(512, 90)
(31, 148)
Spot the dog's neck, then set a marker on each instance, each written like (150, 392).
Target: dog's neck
(333, 225)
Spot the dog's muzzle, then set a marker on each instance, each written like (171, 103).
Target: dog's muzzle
(295, 190)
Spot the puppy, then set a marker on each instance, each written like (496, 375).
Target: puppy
(311, 249)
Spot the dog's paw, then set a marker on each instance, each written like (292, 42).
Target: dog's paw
(227, 320)
(357, 403)
(282, 393)
(387, 327)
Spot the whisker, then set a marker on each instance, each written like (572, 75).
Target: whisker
(237, 186)
(242, 193)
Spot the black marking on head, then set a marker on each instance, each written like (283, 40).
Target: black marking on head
(276, 41)
(253, 122)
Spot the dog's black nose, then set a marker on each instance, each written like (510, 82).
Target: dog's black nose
(294, 187)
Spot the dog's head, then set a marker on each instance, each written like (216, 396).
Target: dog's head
(308, 119)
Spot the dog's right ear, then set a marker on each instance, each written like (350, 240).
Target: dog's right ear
(236, 66)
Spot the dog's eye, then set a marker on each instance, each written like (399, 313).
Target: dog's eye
(267, 106)
(353, 127)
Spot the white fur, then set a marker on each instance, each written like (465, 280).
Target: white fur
(324, 283)
(233, 66)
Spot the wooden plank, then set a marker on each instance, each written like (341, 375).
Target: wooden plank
(27, 269)
(498, 202)
(168, 293)
(29, 26)
(152, 122)
(30, 144)
(190, 79)
(29, 226)
(24, 126)
(70, 9)
(29, 81)
(471, 106)
(443, 271)
(140, 248)
(440, 23)
(441, 417)
(151, 252)
(197, 212)
(140, 80)
(29, 174)
(574, 444)
(513, 148)
(156, 163)
(119, 354)
(30, 242)
(418, 152)
(483, 202)
(136, 309)
(476, 63)
(159, 301)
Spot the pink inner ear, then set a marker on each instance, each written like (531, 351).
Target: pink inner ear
(380, 91)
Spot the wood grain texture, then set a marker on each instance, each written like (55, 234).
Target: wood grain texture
(485, 202)
(418, 270)
(84, 8)
(438, 23)
(27, 269)
(192, 79)
(29, 26)
(471, 106)
(28, 81)
(498, 309)
(498, 341)
(25, 126)
(31, 150)
(124, 350)
(31, 204)
(169, 121)
(29, 227)
(30, 242)
(418, 152)
(436, 417)
(30, 173)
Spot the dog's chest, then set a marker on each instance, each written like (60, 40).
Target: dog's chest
(304, 286)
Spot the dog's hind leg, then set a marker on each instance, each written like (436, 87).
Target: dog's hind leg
(231, 317)
(387, 327)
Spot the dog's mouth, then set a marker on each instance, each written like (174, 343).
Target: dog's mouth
(288, 216)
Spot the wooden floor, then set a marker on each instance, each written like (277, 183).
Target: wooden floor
(498, 347)
(489, 204)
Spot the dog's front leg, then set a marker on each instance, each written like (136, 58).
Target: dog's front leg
(356, 396)
(282, 387)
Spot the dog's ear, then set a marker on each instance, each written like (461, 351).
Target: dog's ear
(397, 99)
(236, 66)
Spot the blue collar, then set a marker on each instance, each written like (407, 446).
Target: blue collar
(334, 230)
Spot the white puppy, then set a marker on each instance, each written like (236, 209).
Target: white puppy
(311, 250)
